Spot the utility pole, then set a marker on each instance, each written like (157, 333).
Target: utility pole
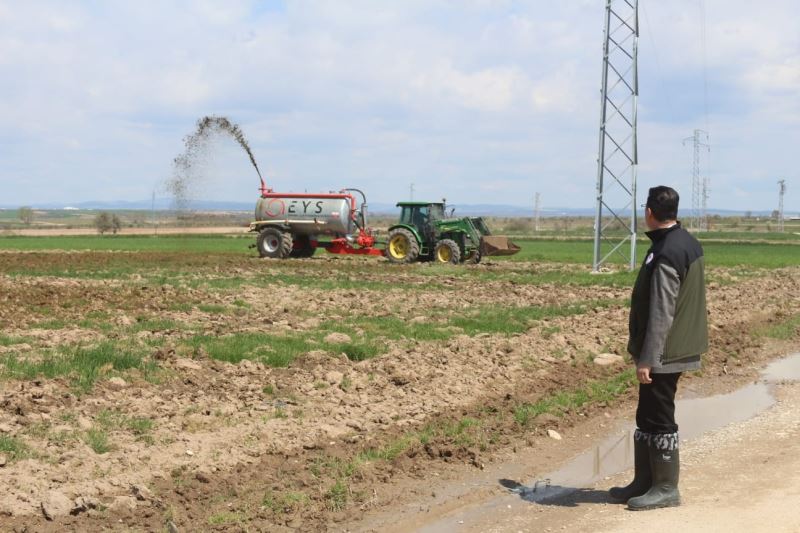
(617, 155)
(536, 213)
(153, 213)
(699, 186)
(782, 191)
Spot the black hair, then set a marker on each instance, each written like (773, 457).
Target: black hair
(663, 203)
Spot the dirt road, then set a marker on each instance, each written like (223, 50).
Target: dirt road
(743, 477)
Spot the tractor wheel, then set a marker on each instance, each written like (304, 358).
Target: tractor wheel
(473, 257)
(274, 243)
(403, 246)
(447, 251)
(304, 249)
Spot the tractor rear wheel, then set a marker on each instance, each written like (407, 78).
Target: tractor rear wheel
(403, 246)
(447, 251)
(274, 243)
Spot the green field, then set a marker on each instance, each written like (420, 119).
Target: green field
(718, 252)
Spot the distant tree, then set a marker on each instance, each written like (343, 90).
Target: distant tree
(775, 214)
(103, 222)
(116, 224)
(25, 214)
(748, 214)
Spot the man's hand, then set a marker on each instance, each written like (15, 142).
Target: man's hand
(643, 375)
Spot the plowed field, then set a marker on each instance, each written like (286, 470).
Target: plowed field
(218, 391)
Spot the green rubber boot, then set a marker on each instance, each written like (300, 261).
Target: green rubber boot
(642, 478)
(665, 468)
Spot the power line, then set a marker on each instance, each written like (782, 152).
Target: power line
(703, 45)
(657, 59)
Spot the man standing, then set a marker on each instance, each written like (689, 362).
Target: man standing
(668, 333)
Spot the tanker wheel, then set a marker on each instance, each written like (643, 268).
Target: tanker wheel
(274, 243)
(304, 249)
(403, 246)
(447, 251)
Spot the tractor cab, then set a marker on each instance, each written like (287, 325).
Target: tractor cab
(421, 216)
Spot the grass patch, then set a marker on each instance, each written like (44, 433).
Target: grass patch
(84, 365)
(225, 518)
(213, 309)
(783, 330)
(6, 340)
(154, 324)
(389, 452)
(275, 350)
(97, 440)
(561, 402)
(272, 350)
(13, 448)
(281, 350)
(336, 497)
(284, 502)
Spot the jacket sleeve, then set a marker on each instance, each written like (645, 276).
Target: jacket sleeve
(664, 286)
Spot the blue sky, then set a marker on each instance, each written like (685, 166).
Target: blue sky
(481, 101)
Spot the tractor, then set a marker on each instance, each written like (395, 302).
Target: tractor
(426, 233)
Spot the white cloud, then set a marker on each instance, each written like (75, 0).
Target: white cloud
(463, 95)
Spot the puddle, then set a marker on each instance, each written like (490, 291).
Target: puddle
(695, 416)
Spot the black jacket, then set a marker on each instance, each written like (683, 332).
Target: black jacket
(668, 323)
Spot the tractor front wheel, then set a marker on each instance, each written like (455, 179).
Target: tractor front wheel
(274, 243)
(403, 246)
(473, 257)
(447, 251)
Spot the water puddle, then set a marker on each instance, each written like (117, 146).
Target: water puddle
(695, 416)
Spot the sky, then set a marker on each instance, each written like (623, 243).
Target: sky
(479, 101)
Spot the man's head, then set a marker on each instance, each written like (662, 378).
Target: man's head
(662, 207)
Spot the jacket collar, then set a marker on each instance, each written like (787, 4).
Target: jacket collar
(658, 234)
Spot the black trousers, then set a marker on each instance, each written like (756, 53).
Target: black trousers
(656, 410)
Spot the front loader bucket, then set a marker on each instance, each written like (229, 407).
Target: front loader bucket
(497, 245)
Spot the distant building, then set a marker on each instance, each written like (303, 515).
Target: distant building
(70, 209)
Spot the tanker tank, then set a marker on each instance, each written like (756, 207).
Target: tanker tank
(309, 214)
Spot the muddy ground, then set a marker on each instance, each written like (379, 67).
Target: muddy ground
(222, 392)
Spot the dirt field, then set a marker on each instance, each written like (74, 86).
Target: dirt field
(222, 392)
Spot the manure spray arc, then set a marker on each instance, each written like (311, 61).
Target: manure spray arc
(291, 224)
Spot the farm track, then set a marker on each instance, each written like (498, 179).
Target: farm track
(326, 438)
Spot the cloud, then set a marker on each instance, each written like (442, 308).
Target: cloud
(492, 100)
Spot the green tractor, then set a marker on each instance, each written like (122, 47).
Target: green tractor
(425, 233)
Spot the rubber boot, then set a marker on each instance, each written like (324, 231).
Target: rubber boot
(665, 468)
(641, 470)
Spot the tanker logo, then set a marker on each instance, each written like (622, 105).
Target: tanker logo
(275, 208)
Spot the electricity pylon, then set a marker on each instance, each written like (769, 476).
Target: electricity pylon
(617, 157)
(699, 186)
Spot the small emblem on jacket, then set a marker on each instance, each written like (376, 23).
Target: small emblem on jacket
(649, 258)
